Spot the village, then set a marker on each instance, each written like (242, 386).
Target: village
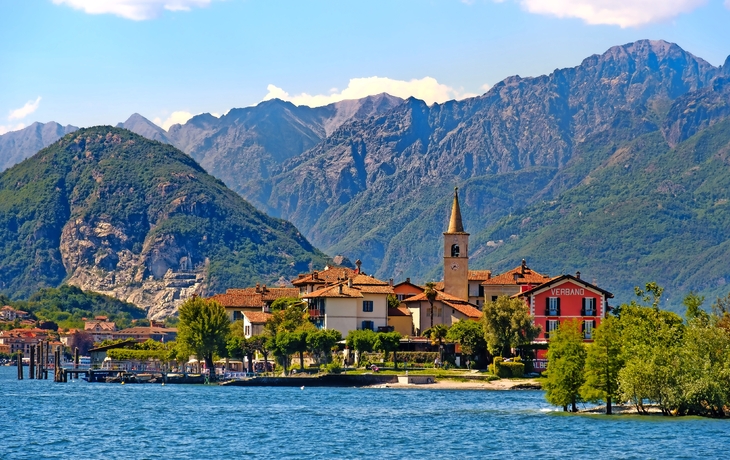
(343, 299)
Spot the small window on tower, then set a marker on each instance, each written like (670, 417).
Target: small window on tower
(454, 250)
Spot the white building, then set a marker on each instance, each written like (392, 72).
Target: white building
(359, 302)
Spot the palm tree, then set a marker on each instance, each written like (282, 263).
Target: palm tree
(430, 293)
(437, 334)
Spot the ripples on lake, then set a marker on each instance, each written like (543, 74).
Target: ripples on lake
(40, 419)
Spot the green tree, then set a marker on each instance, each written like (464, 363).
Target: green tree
(652, 292)
(393, 301)
(204, 329)
(362, 341)
(289, 319)
(603, 363)
(388, 342)
(282, 303)
(507, 324)
(693, 302)
(437, 334)
(470, 336)
(430, 293)
(285, 344)
(566, 360)
(320, 343)
(301, 345)
(651, 339)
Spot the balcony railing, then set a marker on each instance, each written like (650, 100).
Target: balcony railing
(587, 311)
(552, 311)
(316, 313)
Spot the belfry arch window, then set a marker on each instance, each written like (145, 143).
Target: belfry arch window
(454, 250)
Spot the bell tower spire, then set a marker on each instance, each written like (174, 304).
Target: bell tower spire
(456, 254)
(455, 225)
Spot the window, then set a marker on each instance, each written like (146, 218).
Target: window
(494, 298)
(481, 291)
(368, 325)
(367, 305)
(588, 326)
(551, 324)
(552, 306)
(454, 250)
(589, 306)
(237, 315)
(247, 330)
(400, 297)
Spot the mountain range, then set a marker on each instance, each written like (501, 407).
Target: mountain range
(561, 169)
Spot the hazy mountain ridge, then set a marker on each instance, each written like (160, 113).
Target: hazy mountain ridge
(16, 146)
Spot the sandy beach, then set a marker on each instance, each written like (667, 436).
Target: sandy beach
(448, 384)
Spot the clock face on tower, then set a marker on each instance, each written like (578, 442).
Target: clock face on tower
(454, 266)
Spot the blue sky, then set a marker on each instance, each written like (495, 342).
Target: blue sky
(89, 62)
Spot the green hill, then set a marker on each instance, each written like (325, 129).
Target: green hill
(647, 212)
(111, 211)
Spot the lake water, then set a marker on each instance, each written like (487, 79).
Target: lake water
(42, 419)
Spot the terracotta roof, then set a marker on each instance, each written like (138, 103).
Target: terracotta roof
(104, 325)
(375, 289)
(560, 278)
(408, 283)
(439, 286)
(257, 317)
(334, 292)
(465, 309)
(522, 274)
(400, 310)
(367, 280)
(329, 275)
(147, 330)
(8, 308)
(442, 296)
(479, 275)
(238, 299)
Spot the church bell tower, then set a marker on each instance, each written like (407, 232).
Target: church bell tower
(456, 254)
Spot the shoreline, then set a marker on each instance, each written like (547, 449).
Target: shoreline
(452, 384)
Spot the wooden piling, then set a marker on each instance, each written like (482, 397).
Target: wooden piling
(76, 357)
(57, 365)
(31, 363)
(20, 365)
(38, 361)
(46, 358)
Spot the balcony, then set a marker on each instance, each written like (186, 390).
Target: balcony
(552, 311)
(316, 313)
(588, 311)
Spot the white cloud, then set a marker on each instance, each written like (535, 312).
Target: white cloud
(137, 10)
(6, 129)
(426, 89)
(27, 109)
(622, 13)
(174, 118)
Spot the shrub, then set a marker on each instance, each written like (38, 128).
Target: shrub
(334, 368)
(506, 370)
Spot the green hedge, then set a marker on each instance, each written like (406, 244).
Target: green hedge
(124, 354)
(507, 370)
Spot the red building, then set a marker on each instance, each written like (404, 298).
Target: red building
(564, 298)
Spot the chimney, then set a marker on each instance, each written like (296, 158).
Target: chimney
(349, 282)
(263, 288)
(408, 280)
(258, 287)
(358, 263)
(391, 282)
(339, 288)
(577, 274)
(524, 266)
(315, 275)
